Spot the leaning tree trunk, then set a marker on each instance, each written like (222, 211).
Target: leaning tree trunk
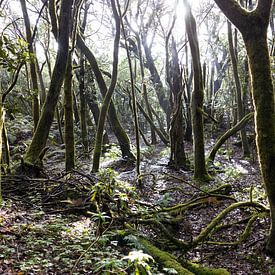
(42, 131)
(121, 135)
(253, 26)
(108, 96)
(200, 171)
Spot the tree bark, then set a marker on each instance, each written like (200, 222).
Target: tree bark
(228, 134)
(42, 131)
(33, 69)
(253, 26)
(69, 118)
(239, 93)
(200, 171)
(117, 128)
(108, 96)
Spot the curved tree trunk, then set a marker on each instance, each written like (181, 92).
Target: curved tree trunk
(42, 131)
(228, 134)
(253, 26)
(108, 96)
(117, 128)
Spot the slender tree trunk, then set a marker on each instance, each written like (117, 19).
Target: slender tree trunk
(239, 93)
(69, 118)
(144, 90)
(42, 131)
(117, 128)
(83, 104)
(2, 119)
(133, 95)
(155, 78)
(200, 171)
(108, 96)
(33, 72)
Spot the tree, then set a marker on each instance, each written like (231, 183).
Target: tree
(238, 86)
(108, 96)
(200, 171)
(253, 27)
(33, 69)
(42, 131)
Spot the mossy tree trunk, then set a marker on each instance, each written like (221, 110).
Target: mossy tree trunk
(176, 131)
(2, 119)
(239, 93)
(42, 131)
(121, 135)
(200, 171)
(155, 79)
(108, 96)
(33, 69)
(69, 118)
(82, 96)
(144, 89)
(253, 26)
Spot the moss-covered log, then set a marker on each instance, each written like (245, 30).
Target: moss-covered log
(169, 261)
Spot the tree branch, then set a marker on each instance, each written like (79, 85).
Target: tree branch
(234, 12)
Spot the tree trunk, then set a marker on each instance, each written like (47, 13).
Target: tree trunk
(176, 131)
(108, 96)
(2, 119)
(42, 131)
(200, 171)
(117, 128)
(228, 134)
(155, 78)
(69, 118)
(33, 72)
(253, 26)
(239, 93)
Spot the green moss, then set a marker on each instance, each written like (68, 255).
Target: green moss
(169, 261)
(199, 270)
(164, 258)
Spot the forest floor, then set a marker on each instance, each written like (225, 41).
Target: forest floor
(55, 225)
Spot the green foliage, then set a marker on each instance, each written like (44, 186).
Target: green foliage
(13, 53)
(139, 262)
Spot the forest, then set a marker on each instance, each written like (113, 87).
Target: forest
(137, 137)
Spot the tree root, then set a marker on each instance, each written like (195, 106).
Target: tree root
(212, 225)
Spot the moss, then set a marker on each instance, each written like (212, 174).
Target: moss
(164, 258)
(187, 268)
(199, 270)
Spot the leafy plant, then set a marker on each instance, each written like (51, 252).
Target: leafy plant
(139, 262)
